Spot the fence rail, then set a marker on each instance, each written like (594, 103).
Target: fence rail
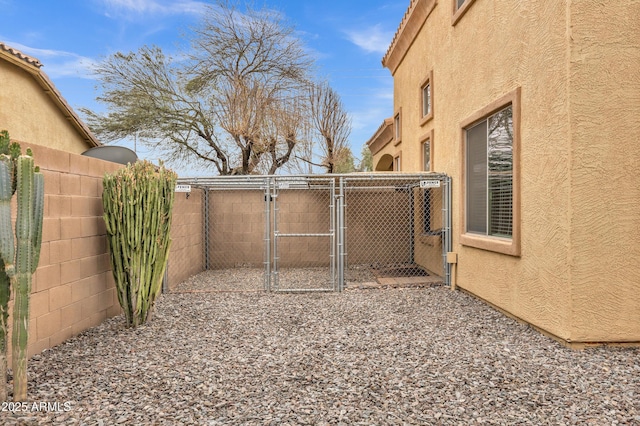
(346, 229)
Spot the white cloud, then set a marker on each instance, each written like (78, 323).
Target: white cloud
(372, 40)
(58, 63)
(146, 7)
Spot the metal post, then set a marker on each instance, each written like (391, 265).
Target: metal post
(412, 242)
(205, 227)
(332, 232)
(274, 201)
(267, 235)
(446, 237)
(341, 236)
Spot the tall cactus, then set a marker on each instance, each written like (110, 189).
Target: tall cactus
(18, 263)
(8, 153)
(138, 202)
(30, 190)
(7, 251)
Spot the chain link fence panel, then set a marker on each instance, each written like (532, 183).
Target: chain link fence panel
(312, 233)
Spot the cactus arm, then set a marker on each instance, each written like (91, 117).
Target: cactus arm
(38, 213)
(5, 293)
(24, 259)
(4, 142)
(7, 244)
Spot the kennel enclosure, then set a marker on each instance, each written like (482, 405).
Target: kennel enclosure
(338, 226)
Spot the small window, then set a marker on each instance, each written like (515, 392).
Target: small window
(426, 153)
(426, 99)
(460, 7)
(397, 127)
(426, 211)
(396, 164)
(491, 147)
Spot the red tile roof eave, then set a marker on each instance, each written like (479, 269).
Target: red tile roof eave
(413, 20)
(396, 36)
(15, 52)
(32, 66)
(377, 141)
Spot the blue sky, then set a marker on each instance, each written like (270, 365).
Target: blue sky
(347, 38)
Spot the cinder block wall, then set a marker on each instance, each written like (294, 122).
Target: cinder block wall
(378, 228)
(186, 257)
(236, 229)
(73, 288)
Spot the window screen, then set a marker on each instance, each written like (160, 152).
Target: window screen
(477, 178)
(490, 175)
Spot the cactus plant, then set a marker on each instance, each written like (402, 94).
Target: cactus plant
(8, 152)
(5, 294)
(18, 263)
(30, 192)
(138, 202)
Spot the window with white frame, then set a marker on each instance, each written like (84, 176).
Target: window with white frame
(397, 128)
(426, 155)
(489, 175)
(396, 164)
(426, 99)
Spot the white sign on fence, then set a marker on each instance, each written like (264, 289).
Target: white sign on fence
(430, 183)
(183, 188)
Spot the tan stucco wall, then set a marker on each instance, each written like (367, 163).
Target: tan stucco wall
(186, 256)
(605, 161)
(577, 276)
(29, 114)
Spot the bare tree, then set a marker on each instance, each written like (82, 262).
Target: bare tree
(331, 121)
(232, 101)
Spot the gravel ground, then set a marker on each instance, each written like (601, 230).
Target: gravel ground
(362, 357)
(252, 279)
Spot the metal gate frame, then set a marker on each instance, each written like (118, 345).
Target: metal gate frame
(337, 185)
(276, 185)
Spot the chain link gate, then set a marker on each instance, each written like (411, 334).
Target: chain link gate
(304, 234)
(327, 232)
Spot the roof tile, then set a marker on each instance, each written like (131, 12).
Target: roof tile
(15, 52)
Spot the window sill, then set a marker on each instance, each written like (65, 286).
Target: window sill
(431, 238)
(397, 142)
(506, 246)
(424, 120)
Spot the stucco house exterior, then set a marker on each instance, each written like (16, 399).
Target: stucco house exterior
(33, 110)
(533, 109)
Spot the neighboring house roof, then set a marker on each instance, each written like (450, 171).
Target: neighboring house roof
(382, 137)
(413, 20)
(32, 66)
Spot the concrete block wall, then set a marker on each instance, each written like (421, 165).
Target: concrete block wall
(186, 256)
(73, 288)
(378, 228)
(236, 229)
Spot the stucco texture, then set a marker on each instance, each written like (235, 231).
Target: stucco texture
(30, 114)
(605, 160)
(577, 275)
